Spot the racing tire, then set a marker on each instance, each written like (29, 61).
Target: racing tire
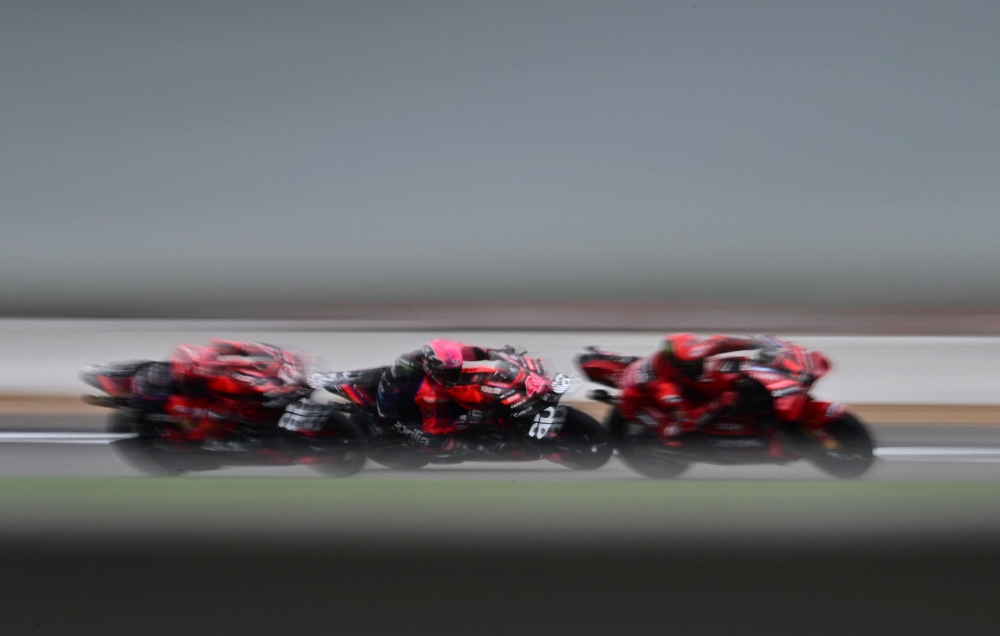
(636, 453)
(343, 451)
(406, 460)
(141, 453)
(403, 457)
(855, 454)
(584, 443)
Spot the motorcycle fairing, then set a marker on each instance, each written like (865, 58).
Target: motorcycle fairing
(359, 387)
(113, 379)
(604, 368)
(819, 414)
(788, 396)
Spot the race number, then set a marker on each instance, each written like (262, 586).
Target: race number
(561, 383)
(548, 423)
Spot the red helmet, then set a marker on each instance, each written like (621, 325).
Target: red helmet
(443, 361)
(686, 353)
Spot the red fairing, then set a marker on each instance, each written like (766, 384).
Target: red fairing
(604, 371)
(119, 387)
(358, 394)
(225, 381)
(788, 396)
(818, 414)
(235, 369)
(801, 364)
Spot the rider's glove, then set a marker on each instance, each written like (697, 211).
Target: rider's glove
(722, 402)
(472, 419)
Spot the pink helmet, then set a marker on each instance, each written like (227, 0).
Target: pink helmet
(443, 361)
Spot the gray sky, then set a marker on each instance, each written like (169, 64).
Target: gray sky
(798, 152)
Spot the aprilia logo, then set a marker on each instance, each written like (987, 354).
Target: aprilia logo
(411, 433)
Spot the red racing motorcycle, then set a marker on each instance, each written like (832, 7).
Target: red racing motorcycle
(775, 419)
(540, 429)
(281, 431)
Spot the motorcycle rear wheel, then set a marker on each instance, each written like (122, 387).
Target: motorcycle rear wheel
(854, 455)
(141, 453)
(640, 454)
(344, 453)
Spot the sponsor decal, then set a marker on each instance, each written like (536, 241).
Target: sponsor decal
(835, 409)
(492, 390)
(530, 406)
(729, 426)
(411, 433)
(738, 443)
(788, 390)
(647, 419)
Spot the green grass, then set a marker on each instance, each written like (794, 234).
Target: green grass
(309, 494)
(346, 490)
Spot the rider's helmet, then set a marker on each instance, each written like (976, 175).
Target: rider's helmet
(686, 353)
(443, 361)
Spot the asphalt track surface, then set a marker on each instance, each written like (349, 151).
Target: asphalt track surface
(71, 446)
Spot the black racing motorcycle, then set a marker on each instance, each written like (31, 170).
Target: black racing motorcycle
(542, 429)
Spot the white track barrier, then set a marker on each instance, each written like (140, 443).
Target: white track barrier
(44, 356)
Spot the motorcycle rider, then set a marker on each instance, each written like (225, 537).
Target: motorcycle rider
(208, 389)
(438, 394)
(675, 378)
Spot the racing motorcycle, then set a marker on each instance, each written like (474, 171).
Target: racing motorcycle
(538, 429)
(285, 430)
(774, 421)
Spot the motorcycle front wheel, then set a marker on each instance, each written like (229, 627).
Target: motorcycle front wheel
(851, 455)
(339, 450)
(583, 443)
(641, 452)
